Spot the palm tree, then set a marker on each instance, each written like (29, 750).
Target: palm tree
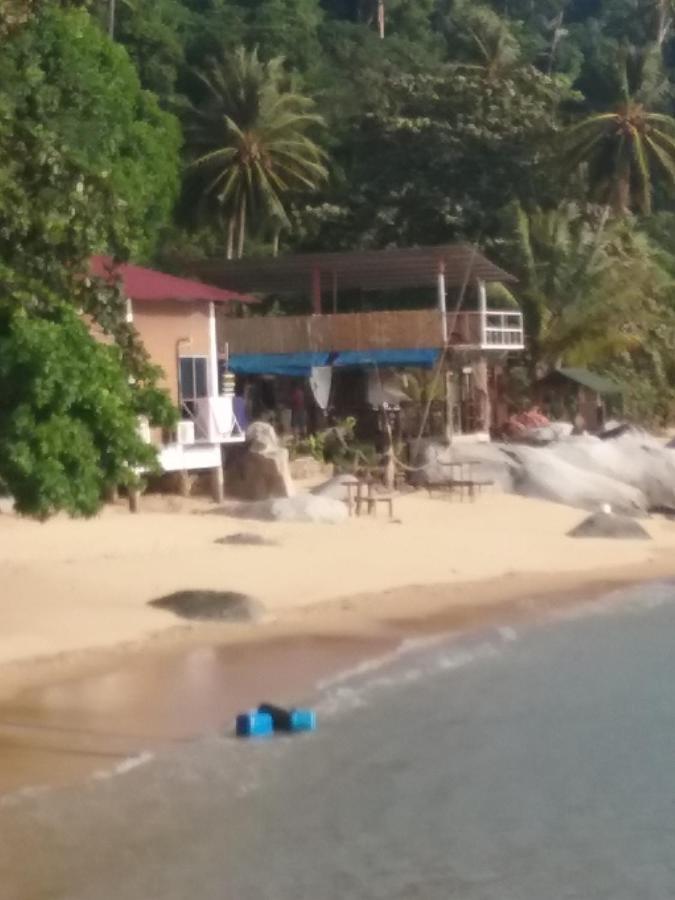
(591, 286)
(484, 36)
(622, 148)
(252, 135)
(665, 12)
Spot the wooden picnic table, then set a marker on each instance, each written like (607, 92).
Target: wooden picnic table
(461, 478)
(362, 493)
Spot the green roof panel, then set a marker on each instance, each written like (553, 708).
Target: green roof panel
(591, 380)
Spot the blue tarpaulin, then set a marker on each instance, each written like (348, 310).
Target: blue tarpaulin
(423, 359)
(299, 365)
(291, 364)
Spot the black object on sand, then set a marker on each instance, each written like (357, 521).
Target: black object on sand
(281, 718)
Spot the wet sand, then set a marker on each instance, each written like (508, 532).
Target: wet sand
(80, 714)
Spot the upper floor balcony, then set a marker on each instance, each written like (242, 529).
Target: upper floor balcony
(453, 275)
(493, 330)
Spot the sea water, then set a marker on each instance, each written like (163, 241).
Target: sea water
(529, 764)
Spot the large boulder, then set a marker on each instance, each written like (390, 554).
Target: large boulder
(300, 508)
(632, 457)
(260, 469)
(628, 469)
(544, 474)
(490, 461)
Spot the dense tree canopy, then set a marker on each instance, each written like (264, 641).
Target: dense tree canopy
(88, 162)
(476, 141)
(444, 119)
(68, 425)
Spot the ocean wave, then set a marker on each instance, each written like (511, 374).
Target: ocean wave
(354, 688)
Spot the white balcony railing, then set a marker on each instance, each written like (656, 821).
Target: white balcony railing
(503, 331)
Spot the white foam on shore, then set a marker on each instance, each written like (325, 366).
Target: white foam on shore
(25, 793)
(631, 600)
(353, 688)
(126, 765)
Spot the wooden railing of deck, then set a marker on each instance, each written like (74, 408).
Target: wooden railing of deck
(414, 329)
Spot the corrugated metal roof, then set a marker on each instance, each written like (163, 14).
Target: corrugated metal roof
(594, 382)
(147, 284)
(365, 269)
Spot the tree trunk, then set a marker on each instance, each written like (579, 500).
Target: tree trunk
(230, 237)
(380, 18)
(275, 242)
(557, 34)
(242, 228)
(111, 20)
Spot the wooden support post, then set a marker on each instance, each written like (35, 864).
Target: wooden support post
(449, 406)
(217, 484)
(184, 483)
(442, 304)
(482, 308)
(335, 293)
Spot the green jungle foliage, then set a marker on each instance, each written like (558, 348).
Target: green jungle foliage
(162, 129)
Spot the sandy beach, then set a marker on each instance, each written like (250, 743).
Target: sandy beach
(90, 674)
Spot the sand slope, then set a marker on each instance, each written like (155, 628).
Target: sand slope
(70, 585)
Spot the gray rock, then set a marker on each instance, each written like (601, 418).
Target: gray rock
(632, 471)
(608, 525)
(335, 487)
(632, 457)
(491, 461)
(211, 606)
(542, 473)
(244, 539)
(301, 508)
(261, 438)
(260, 469)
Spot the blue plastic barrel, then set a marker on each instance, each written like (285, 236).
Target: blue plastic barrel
(303, 720)
(254, 724)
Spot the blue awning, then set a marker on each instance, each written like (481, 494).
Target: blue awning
(422, 359)
(294, 365)
(300, 365)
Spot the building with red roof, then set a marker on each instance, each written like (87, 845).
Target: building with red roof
(176, 320)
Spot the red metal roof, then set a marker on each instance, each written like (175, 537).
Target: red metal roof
(147, 284)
